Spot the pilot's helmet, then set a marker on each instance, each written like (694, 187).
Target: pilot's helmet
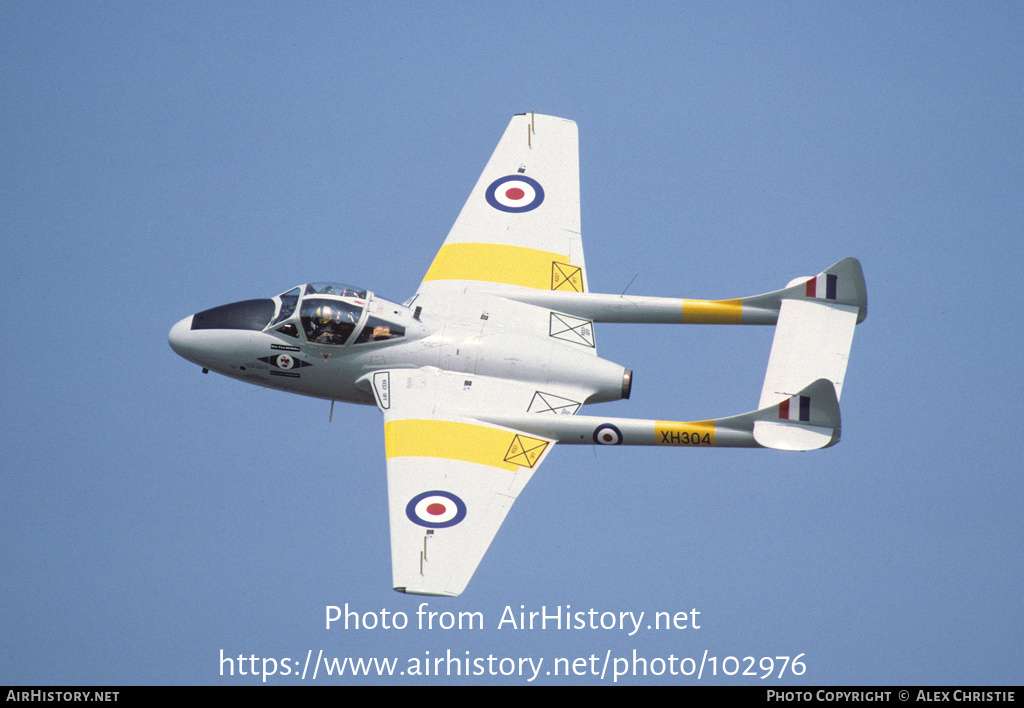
(324, 314)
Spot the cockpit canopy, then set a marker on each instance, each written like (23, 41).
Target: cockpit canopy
(329, 314)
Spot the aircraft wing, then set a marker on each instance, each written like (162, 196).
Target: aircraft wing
(520, 227)
(452, 478)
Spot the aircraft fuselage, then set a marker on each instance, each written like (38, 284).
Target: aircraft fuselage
(283, 353)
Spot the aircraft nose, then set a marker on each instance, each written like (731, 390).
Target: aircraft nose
(180, 339)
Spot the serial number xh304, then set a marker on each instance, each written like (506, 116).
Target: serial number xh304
(485, 369)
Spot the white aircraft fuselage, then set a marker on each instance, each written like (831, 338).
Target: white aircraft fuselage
(258, 341)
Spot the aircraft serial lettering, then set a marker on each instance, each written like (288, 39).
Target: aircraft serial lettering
(673, 437)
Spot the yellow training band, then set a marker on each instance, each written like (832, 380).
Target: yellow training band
(467, 442)
(500, 263)
(712, 311)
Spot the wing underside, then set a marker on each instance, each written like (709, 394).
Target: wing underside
(520, 226)
(452, 478)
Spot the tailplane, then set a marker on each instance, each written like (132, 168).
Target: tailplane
(814, 331)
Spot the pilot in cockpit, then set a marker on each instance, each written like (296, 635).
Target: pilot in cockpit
(328, 325)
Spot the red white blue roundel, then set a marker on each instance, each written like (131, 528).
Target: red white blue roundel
(436, 509)
(608, 434)
(515, 194)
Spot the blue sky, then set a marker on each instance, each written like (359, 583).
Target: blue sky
(159, 160)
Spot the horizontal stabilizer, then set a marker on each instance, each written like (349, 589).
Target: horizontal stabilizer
(812, 341)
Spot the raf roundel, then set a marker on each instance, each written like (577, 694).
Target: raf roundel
(436, 509)
(515, 194)
(607, 434)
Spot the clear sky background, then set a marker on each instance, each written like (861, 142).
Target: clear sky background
(160, 159)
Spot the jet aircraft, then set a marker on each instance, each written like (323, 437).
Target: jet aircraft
(486, 367)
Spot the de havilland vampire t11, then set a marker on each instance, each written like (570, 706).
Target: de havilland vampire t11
(484, 370)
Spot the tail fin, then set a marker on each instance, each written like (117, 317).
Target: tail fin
(806, 421)
(842, 283)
